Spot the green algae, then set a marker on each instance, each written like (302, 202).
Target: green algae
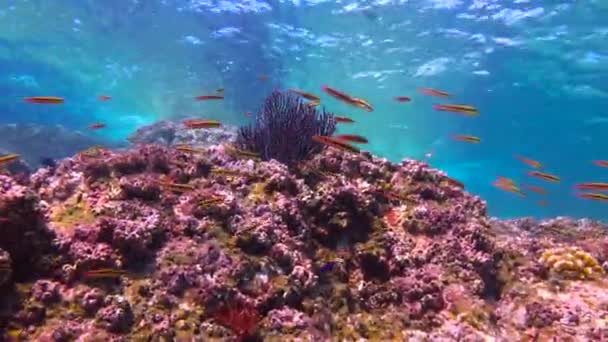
(74, 212)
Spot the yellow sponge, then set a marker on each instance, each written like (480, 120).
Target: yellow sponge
(571, 263)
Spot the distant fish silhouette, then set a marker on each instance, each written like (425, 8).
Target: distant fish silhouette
(48, 162)
(327, 267)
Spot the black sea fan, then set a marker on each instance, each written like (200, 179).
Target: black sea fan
(283, 129)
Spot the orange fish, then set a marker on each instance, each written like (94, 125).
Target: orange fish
(509, 187)
(248, 114)
(455, 182)
(44, 99)
(186, 148)
(542, 203)
(433, 92)
(313, 103)
(104, 273)
(456, 108)
(402, 99)
(504, 180)
(176, 187)
(211, 201)
(353, 101)
(262, 77)
(592, 186)
(352, 138)
(530, 162)
(194, 124)
(103, 97)
(601, 163)
(343, 119)
(97, 125)
(467, 138)
(209, 97)
(335, 143)
(593, 196)
(306, 95)
(536, 189)
(7, 158)
(361, 103)
(544, 176)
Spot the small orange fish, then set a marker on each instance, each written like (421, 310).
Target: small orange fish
(308, 96)
(44, 99)
(227, 172)
(542, 203)
(235, 152)
(544, 176)
(195, 123)
(509, 187)
(104, 273)
(530, 162)
(176, 187)
(504, 180)
(335, 143)
(455, 182)
(97, 125)
(313, 103)
(536, 189)
(467, 138)
(352, 138)
(593, 196)
(361, 103)
(103, 98)
(402, 99)
(343, 119)
(7, 158)
(210, 201)
(353, 101)
(248, 114)
(186, 149)
(601, 163)
(592, 186)
(433, 92)
(262, 77)
(209, 97)
(456, 108)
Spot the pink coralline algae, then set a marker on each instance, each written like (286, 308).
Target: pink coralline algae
(339, 247)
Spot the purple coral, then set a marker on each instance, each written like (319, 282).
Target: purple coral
(283, 129)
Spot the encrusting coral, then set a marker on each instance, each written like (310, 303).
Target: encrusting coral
(167, 245)
(571, 262)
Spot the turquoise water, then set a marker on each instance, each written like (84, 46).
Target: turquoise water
(537, 71)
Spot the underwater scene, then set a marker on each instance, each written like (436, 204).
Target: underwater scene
(303, 170)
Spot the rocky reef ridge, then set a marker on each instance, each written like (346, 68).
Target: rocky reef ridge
(155, 244)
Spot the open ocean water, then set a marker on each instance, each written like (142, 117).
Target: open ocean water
(536, 70)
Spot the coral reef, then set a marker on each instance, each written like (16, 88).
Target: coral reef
(170, 133)
(283, 129)
(151, 243)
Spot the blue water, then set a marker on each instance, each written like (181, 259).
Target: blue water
(537, 71)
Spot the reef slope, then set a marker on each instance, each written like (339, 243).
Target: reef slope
(343, 247)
